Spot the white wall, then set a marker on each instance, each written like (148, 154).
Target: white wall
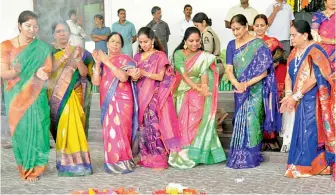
(9, 12)
(139, 13)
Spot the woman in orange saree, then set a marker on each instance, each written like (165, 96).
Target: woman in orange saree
(26, 64)
(312, 149)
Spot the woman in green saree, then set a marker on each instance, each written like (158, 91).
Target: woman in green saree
(195, 99)
(25, 65)
(69, 98)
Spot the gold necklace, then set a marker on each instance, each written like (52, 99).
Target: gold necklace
(60, 48)
(144, 56)
(327, 14)
(20, 44)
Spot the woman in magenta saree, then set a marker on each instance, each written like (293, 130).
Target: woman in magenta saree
(312, 149)
(159, 130)
(118, 106)
(323, 27)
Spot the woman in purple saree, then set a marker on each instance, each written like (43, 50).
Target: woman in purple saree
(250, 69)
(323, 29)
(159, 130)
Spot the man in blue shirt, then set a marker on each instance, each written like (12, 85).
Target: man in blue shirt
(127, 30)
(100, 33)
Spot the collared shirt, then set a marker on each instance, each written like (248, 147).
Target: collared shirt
(101, 45)
(184, 24)
(77, 34)
(280, 28)
(161, 30)
(127, 30)
(211, 41)
(250, 13)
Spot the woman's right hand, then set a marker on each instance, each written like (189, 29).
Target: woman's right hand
(134, 73)
(241, 86)
(16, 66)
(205, 90)
(41, 74)
(96, 57)
(67, 50)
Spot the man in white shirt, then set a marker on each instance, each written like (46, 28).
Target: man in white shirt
(280, 18)
(78, 35)
(244, 8)
(187, 21)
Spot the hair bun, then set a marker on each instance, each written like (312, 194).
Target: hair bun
(209, 21)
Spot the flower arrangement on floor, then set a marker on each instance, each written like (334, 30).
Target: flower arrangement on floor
(174, 188)
(120, 190)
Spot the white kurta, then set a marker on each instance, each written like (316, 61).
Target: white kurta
(77, 34)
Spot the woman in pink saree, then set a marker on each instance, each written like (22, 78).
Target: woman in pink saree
(323, 29)
(118, 105)
(195, 99)
(159, 130)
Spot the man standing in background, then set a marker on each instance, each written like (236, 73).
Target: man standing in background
(244, 8)
(100, 33)
(280, 18)
(127, 30)
(78, 35)
(160, 28)
(187, 21)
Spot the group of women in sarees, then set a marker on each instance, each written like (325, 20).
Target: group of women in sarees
(47, 90)
(156, 115)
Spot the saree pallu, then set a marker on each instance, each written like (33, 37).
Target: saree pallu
(196, 113)
(159, 130)
(278, 55)
(68, 98)
(325, 27)
(257, 108)
(118, 102)
(27, 107)
(313, 140)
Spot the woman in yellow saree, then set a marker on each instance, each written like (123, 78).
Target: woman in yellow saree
(25, 65)
(68, 95)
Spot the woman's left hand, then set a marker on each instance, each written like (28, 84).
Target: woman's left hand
(78, 52)
(205, 90)
(291, 103)
(41, 74)
(103, 56)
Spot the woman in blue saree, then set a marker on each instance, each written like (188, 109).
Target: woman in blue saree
(309, 92)
(250, 70)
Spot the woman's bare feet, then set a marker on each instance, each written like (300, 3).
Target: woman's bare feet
(32, 179)
(158, 169)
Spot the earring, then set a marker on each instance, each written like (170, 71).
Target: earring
(185, 46)
(153, 45)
